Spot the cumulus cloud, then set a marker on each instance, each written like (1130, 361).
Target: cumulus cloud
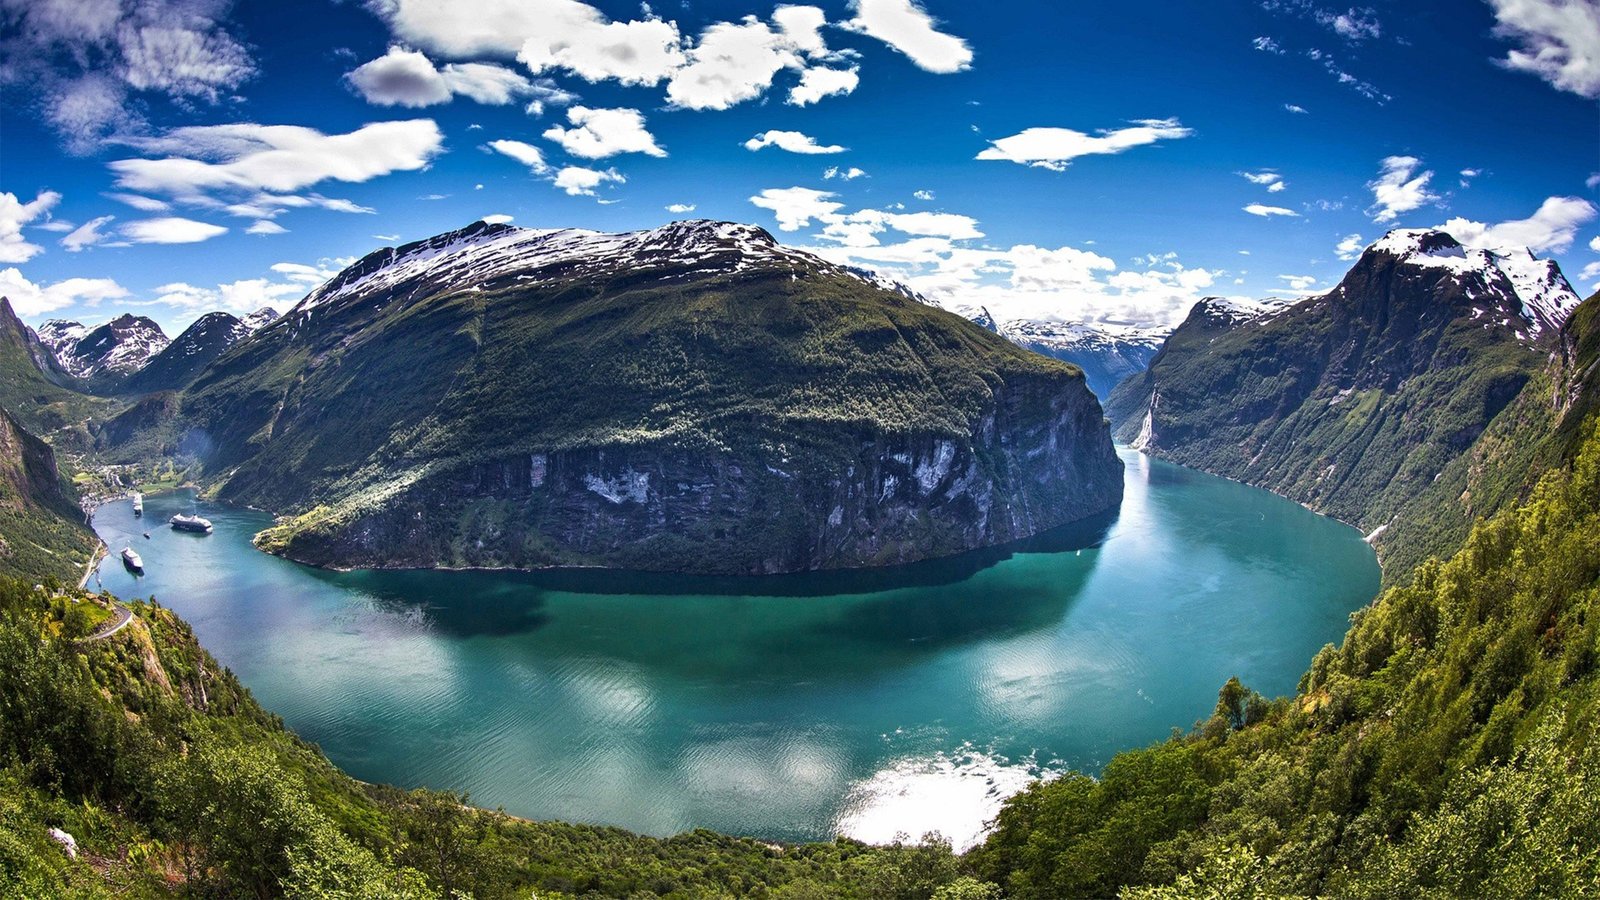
(843, 174)
(599, 133)
(1261, 209)
(265, 226)
(170, 230)
(796, 207)
(680, 208)
(87, 235)
(792, 141)
(817, 82)
(1399, 188)
(1055, 148)
(1296, 109)
(404, 77)
(732, 63)
(1350, 247)
(29, 299)
(527, 154)
(578, 181)
(1552, 228)
(907, 27)
(198, 164)
(14, 214)
(84, 61)
(1560, 41)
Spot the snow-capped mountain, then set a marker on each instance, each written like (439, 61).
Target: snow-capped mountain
(207, 338)
(1545, 297)
(259, 319)
(1106, 353)
(116, 349)
(483, 253)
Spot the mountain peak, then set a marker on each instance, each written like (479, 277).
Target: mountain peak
(1531, 287)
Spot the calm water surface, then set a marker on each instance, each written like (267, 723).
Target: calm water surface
(785, 708)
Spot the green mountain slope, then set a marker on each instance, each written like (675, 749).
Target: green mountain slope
(1358, 402)
(42, 396)
(42, 533)
(502, 397)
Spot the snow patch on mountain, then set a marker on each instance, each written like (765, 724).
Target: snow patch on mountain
(1545, 297)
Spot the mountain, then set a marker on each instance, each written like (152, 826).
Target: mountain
(1106, 353)
(1354, 402)
(107, 353)
(35, 389)
(1442, 749)
(207, 338)
(498, 396)
(42, 532)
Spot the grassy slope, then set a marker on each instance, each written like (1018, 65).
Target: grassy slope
(43, 406)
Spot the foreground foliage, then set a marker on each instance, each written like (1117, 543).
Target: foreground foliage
(173, 780)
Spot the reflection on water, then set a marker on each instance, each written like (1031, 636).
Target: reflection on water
(784, 707)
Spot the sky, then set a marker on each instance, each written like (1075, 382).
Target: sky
(1104, 163)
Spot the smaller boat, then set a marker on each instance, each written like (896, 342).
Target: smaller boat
(147, 535)
(132, 560)
(138, 503)
(181, 522)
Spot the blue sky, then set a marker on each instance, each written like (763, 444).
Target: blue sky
(1099, 162)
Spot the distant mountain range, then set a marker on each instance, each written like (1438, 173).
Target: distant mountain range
(131, 354)
(1106, 353)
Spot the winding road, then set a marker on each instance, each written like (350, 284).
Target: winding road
(123, 617)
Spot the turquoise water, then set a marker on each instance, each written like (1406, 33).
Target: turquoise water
(784, 708)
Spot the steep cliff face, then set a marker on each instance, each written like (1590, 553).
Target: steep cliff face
(695, 398)
(1361, 400)
(42, 533)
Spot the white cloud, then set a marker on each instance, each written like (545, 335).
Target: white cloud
(170, 230)
(13, 215)
(1560, 41)
(680, 208)
(636, 53)
(1552, 228)
(1591, 275)
(498, 219)
(1355, 24)
(732, 63)
(1296, 109)
(1350, 247)
(1055, 148)
(1267, 45)
(29, 299)
(404, 77)
(1399, 188)
(1299, 284)
(907, 27)
(817, 82)
(922, 195)
(796, 207)
(1467, 175)
(86, 60)
(265, 226)
(1272, 181)
(843, 174)
(792, 141)
(1594, 244)
(581, 182)
(86, 235)
(527, 154)
(599, 133)
(144, 204)
(201, 160)
(1260, 209)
